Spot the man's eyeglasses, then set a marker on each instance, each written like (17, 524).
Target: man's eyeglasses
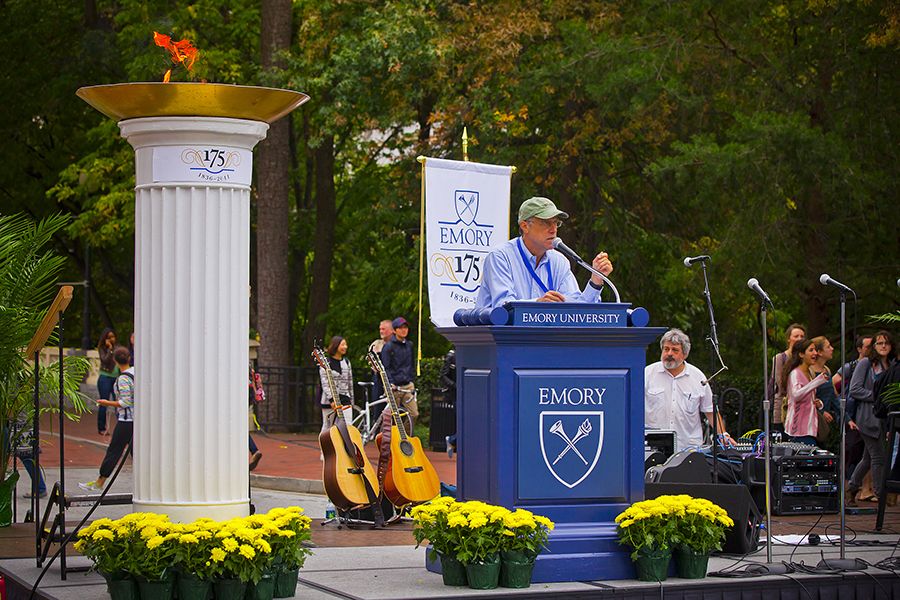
(548, 223)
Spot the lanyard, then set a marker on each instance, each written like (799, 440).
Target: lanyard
(544, 288)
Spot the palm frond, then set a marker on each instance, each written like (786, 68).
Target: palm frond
(887, 318)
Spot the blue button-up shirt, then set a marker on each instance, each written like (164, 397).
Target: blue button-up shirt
(506, 278)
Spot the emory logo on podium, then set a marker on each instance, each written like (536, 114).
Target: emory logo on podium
(571, 442)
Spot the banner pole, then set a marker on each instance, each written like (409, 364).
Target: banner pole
(465, 144)
(421, 160)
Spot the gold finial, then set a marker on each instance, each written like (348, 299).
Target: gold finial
(465, 144)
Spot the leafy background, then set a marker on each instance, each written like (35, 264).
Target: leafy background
(763, 134)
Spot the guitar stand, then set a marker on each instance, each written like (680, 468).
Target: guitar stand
(344, 519)
(399, 517)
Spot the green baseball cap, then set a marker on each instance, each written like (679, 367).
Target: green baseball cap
(542, 208)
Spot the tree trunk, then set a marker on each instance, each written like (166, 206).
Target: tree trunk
(273, 171)
(323, 245)
(814, 212)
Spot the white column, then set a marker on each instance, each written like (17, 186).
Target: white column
(192, 263)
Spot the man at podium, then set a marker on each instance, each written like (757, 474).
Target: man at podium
(527, 268)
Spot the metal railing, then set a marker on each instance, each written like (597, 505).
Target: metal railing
(291, 403)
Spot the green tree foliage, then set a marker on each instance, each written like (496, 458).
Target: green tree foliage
(763, 134)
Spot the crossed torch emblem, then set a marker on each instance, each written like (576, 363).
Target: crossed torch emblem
(583, 431)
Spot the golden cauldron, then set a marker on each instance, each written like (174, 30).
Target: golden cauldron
(121, 101)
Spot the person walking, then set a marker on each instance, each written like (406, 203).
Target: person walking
(256, 395)
(108, 374)
(123, 402)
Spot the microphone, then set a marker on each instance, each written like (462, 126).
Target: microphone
(559, 245)
(753, 284)
(695, 259)
(825, 279)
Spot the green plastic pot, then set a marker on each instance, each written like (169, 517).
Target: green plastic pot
(453, 572)
(121, 586)
(229, 589)
(191, 587)
(516, 569)
(690, 564)
(653, 565)
(286, 583)
(484, 575)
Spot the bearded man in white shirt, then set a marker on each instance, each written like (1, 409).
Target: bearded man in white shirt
(674, 395)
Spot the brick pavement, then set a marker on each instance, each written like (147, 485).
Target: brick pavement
(289, 455)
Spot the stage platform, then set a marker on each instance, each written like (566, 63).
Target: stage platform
(398, 573)
(384, 564)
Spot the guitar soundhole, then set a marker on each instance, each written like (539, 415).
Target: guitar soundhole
(406, 448)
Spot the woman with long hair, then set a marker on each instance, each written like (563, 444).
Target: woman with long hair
(826, 393)
(793, 334)
(108, 373)
(861, 412)
(342, 376)
(801, 421)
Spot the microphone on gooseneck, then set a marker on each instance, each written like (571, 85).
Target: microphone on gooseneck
(559, 245)
(690, 260)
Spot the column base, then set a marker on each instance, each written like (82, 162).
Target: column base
(186, 512)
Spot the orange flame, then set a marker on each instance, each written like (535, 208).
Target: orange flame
(182, 52)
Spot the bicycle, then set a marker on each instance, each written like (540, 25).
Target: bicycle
(368, 419)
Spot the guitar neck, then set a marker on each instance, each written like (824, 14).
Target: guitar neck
(395, 410)
(335, 398)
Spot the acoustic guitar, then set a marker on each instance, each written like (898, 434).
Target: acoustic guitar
(410, 478)
(346, 472)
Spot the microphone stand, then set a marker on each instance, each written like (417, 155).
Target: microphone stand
(772, 569)
(714, 340)
(842, 563)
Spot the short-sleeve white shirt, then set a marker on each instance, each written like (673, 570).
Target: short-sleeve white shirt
(675, 403)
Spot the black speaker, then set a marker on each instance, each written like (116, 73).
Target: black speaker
(735, 499)
(652, 458)
(684, 467)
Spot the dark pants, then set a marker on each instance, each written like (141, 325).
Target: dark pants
(121, 437)
(854, 449)
(105, 385)
(28, 463)
(253, 447)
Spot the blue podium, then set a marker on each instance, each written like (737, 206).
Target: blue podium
(550, 418)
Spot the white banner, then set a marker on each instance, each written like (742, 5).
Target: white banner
(202, 164)
(467, 213)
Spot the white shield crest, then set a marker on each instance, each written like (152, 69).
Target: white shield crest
(466, 206)
(571, 442)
